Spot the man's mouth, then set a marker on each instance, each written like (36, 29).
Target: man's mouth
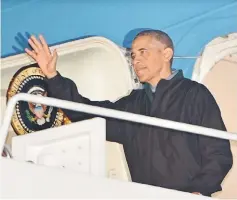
(140, 71)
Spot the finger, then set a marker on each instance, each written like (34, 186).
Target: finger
(36, 42)
(44, 44)
(55, 56)
(32, 44)
(53, 60)
(31, 53)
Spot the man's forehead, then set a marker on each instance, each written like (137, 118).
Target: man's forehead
(144, 42)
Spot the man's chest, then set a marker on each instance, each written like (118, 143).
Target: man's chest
(166, 107)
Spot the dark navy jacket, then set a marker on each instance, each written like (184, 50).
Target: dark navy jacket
(159, 156)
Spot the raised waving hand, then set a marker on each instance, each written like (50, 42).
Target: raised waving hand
(41, 54)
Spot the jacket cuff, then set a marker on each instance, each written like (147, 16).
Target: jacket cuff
(54, 79)
(53, 84)
(207, 191)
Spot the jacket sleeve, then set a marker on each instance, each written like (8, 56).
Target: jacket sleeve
(216, 156)
(63, 88)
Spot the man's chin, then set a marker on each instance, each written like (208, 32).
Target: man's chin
(142, 80)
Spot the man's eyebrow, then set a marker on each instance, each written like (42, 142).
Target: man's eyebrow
(141, 49)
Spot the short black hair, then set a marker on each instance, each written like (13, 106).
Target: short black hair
(160, 36)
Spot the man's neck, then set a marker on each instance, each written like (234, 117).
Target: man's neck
(164, 74)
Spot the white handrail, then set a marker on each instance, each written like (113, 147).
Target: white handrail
(106, 113)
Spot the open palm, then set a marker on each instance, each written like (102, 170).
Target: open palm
(42, 55)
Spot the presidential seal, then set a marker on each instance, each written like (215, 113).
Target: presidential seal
(29, 117)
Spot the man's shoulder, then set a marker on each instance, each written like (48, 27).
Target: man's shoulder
(189, 82)
(195, 86)
(198, 92)
(132, 96)
(138, 93)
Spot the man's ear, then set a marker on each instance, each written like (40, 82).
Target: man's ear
(168, 54)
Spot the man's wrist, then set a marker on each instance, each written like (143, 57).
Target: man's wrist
(198, 193)
(52, 75)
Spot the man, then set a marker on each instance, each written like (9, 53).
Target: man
(156, 156)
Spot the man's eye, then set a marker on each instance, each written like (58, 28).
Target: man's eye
(143, 52)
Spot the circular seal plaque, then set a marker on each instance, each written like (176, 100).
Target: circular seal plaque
(29, 117)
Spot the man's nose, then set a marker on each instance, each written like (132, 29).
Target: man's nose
(136, 60)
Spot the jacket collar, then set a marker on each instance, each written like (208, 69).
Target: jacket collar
(176, 75)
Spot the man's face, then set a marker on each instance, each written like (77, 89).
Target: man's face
(148, 57)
